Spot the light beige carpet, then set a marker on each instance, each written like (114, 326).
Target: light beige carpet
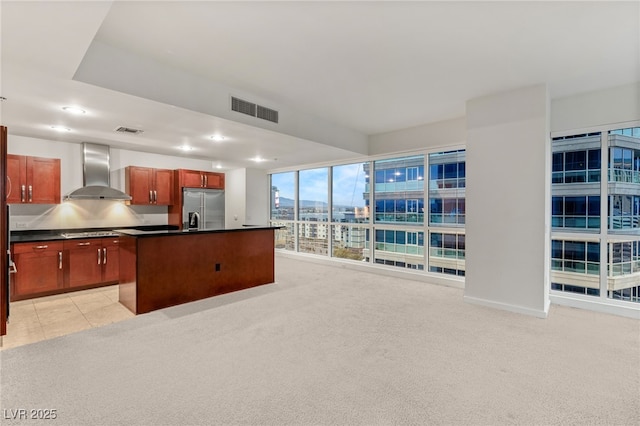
(327, 345)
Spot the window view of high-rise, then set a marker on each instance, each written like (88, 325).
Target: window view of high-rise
(349, 212)
(380, 212)
(596, 214)
(447, 183)
(397, 188)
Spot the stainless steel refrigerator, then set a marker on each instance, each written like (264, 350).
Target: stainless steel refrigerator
(202, 209)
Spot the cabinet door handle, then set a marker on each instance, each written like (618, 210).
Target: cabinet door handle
(23, 190)
(99, 257)
(201, 180)
(155, 196)
(150, 196)
(10, 186)
(41, 247)
(104, 256)
(206, 181)
(59, 260)
(30, 193)
(84, 244)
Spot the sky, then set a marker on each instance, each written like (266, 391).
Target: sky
(348, 184)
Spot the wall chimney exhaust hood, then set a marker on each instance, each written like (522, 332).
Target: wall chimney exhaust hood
(96, 176)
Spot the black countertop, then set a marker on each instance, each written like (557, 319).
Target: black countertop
(56, 234)
(176, 232)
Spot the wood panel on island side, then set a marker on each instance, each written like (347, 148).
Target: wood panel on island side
(167, 268)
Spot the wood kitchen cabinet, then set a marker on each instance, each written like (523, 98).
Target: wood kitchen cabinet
(149, 186)
(110, 260)
(91, 261)
(32, 180)
(200, 179)
(39, 268)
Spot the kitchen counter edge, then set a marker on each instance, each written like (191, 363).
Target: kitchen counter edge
(143, 234)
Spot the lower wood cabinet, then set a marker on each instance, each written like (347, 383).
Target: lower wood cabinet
(39, 269)
(91, 261)
(53, 267)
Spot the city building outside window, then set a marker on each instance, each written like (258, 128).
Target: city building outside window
(603, 215)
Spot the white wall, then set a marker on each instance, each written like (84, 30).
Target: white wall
(234, 200)
(614, 105)
(247, 198)
(90, 213)
(442, 134)
(257, 200)
(507, 201)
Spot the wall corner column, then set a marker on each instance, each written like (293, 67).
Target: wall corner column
(508, 229)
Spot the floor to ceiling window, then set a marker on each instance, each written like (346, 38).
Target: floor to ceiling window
(596, 220)
(623, 214)
(447, 212)
(283, 211)
(398, 193)
(349, 212)
(379, 212)
(313, 211)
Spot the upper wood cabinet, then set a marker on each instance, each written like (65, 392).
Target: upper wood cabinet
(199, 179)
(32, 180)
(149, 186)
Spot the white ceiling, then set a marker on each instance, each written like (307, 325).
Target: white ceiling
(369, 67)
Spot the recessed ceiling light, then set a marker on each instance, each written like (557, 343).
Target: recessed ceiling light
(185, 148)
(217, 138)
(258, 159)
(74, 110)
(61, 128)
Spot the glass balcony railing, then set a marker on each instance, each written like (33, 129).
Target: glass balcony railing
(624, 175)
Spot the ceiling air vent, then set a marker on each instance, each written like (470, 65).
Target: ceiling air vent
(129, 130)
(254, 110)
(243, 107)
(267, 114)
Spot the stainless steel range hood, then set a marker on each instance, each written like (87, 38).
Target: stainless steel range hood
(96, 176)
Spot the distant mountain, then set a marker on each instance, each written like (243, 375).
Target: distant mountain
(288, 202)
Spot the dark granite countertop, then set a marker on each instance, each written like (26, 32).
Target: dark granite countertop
(56, 234)
(176, 232)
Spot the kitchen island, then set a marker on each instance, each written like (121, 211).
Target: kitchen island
(159, 269)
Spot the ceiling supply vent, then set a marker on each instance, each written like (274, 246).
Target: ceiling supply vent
(243, 107)
(129, 130)
(254, 110)
(267, 114)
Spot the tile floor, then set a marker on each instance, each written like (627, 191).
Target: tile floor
(52, 316)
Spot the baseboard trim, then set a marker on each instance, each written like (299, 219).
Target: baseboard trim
(409, 274)
(511, 308)
(612, 307)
